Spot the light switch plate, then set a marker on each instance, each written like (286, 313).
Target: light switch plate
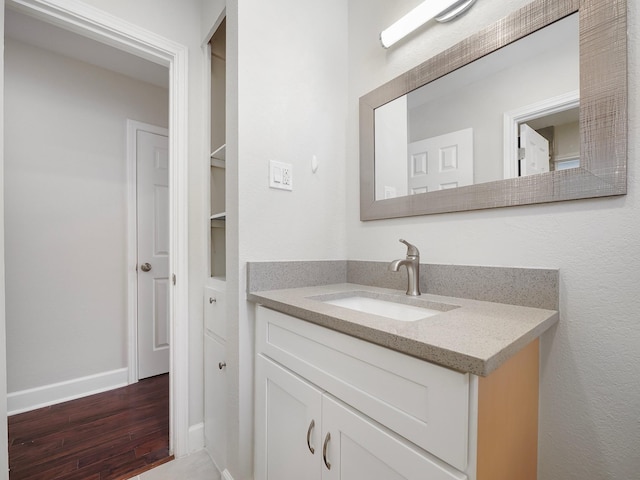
(280, 175)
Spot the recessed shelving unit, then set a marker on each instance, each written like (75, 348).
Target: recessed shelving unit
(218, 157)
(217, 212)
(215, 311)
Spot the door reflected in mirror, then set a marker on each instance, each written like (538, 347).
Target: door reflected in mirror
(512, 113)
(550, 142)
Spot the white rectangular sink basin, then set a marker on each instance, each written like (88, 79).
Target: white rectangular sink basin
(375, 306)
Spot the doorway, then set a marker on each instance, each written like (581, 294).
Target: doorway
(107, 29)
(561, 111)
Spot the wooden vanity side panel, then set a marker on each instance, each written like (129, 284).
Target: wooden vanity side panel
(508, 419)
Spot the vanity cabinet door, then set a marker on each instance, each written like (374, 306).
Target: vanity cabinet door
(288, 423)
(356, 448)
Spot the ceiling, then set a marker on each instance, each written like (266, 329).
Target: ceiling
(49, 37)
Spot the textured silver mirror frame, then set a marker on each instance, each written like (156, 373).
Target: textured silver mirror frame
(603, 115)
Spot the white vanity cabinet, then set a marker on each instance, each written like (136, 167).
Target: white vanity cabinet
(330, 406)
(309, 435)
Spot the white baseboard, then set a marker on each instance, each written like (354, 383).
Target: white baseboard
(196, 437)
(226, 475)
(26, 400)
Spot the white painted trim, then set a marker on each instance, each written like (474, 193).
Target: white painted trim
(206, 121)
(87, 20)
(32, 398)
(133, 127)
(4, 436)
(472, 449)
(536, 110)
(226, 475)
(196, 437)
(207, 37)
(206, 167)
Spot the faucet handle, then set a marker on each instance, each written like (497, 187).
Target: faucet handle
(412, 250)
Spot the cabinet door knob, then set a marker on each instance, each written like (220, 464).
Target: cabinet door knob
(221, 365)
(324, 450)
(212, 300)
(309, 430)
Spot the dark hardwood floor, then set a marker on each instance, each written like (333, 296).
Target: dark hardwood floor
(111, 435)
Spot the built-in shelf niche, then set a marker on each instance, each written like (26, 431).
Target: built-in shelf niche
(217, 212)
(219, 157)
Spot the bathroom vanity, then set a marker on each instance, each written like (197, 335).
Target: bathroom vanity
(342, 393)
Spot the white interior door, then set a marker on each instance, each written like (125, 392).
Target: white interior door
(536, 151)
(152, 178)
(445, 161)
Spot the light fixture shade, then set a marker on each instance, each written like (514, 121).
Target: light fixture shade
(421, 15)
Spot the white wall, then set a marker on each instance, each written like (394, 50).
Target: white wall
(65, 216)
(287, 60)
(210, 15)
(391, 147)
(590, 394)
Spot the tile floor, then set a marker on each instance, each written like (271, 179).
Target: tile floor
(197, 466)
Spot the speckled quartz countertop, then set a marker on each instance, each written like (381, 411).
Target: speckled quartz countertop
(470, 336)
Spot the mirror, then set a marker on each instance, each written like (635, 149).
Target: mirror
(429, 138)
(445, 136)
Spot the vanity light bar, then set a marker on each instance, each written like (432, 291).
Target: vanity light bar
(441, 10)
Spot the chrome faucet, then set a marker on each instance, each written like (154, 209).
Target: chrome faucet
(412, 262)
